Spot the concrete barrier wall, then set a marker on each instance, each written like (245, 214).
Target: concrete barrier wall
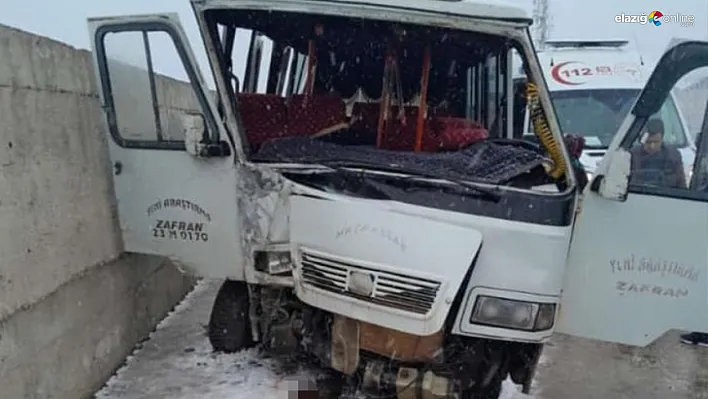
(71, 304)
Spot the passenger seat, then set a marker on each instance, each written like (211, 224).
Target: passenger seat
(264, 117)
(311, 114)
(451, 134)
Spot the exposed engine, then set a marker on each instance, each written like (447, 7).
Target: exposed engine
(378, 362)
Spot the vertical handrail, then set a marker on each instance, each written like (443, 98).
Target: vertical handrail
(422, 106)
(385, 98)
(311, 67)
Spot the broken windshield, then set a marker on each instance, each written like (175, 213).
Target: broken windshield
(417, 177)
(364, 91)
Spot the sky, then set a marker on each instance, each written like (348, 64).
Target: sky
(570, 19)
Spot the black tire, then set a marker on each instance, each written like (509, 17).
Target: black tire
(492, 391)
(523, 365)
(526, 386)
(229, 327)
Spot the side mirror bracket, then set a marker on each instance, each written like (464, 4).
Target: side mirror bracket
(220, 149)
(197, 141)
(595, 183)
(614, 183)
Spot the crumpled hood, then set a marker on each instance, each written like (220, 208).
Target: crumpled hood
(415, 265)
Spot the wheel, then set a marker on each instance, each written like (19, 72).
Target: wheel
(229, 327)
(522, 366)
(489, 372)
(492, 391)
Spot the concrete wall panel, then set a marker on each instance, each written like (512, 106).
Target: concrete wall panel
(71, 305)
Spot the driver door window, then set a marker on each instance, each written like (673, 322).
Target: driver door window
(699, 174)
(663, 161)
(675, 129)
(148, 91)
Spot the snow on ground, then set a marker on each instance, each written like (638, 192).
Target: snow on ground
(511, 391)
(177, 362)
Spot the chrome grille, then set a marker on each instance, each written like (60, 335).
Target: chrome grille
(412, 294)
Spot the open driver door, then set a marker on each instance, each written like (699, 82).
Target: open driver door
(173, 160)
(638, 260)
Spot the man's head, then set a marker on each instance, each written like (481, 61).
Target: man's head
(655, 135)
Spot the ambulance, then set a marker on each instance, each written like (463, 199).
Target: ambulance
(593, 84)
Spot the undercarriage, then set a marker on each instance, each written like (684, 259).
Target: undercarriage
(368, 361)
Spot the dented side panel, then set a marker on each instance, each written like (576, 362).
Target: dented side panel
(264, 211)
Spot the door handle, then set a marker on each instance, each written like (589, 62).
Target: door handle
(117, 167)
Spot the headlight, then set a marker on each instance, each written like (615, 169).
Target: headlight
(273, 262)
(508, 313)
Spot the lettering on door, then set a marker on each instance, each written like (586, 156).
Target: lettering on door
(625, 287)
(180, 230)
(645, 275)
(168, 228)
(178, 203)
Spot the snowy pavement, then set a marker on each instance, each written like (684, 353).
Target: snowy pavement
(177, 362)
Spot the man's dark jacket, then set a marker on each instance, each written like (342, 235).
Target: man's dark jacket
(663, 168)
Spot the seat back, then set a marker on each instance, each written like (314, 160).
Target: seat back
(264, 117)
(365, 117)
(451, 133)
(308, 115)
(399, 134)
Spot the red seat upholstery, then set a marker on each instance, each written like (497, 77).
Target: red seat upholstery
(400, 133)
(264, 117)
(441, 133)
(450, 134)
(308, 115)
(365, 117)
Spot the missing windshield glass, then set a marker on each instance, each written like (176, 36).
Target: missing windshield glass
(367, 91)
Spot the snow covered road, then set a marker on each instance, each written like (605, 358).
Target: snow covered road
(177, 362)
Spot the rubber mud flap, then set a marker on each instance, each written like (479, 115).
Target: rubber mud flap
(229, 327)
(345, 344)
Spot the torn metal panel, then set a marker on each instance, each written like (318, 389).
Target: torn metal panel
(264, 200)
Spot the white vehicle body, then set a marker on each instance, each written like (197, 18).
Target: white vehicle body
(496, 273)
(593, 84)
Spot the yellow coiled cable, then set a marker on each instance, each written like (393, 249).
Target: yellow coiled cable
(540, 124)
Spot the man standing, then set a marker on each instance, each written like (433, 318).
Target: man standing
(654, 163)
(575, 144)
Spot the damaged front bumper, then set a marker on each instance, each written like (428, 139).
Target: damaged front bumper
(363, 262)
